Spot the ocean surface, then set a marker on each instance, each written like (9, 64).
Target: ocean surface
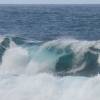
(49, 52)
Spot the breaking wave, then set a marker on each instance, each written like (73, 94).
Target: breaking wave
(52, 70)
(60, 57)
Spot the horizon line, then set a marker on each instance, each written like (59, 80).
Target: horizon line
(49, 3)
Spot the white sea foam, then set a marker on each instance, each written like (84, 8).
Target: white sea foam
(14, 60)
(48, 87)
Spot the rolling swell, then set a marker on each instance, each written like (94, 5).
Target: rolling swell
(60, 57)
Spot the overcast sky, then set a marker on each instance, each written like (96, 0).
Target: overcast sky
(49, 1)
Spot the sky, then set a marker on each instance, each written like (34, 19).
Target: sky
(49, 1)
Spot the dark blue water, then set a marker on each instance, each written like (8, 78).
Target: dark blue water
(46, 22)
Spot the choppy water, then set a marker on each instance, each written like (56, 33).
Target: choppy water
(49, 52)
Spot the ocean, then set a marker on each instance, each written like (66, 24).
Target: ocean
(49, 52)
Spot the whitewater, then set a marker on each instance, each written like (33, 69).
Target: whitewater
(61, 69)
